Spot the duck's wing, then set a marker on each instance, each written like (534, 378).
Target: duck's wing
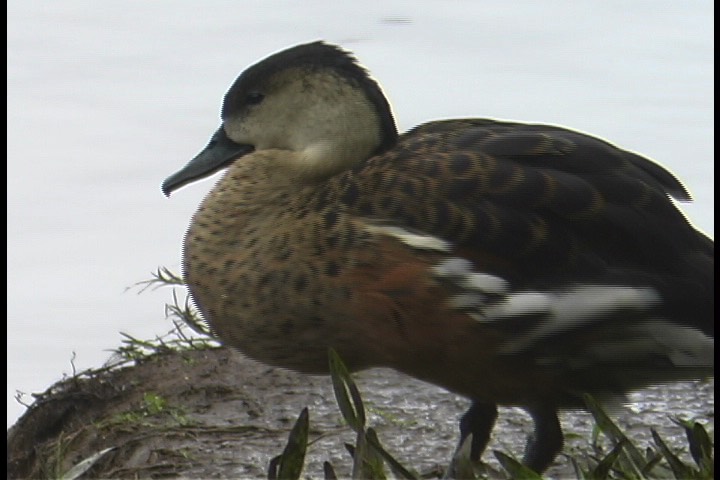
(541, 207)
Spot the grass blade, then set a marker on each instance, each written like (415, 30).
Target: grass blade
(680, 470)
(346, 393)
(290, 463)
(78, 470)
(515, 468)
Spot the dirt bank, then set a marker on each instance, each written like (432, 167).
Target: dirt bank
(215, 414)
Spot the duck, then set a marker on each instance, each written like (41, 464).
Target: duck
(514, 264)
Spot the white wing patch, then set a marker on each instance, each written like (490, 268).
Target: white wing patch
(460, 271)
(411, 239)
(684, 346)
(519, 304)
(565, 310)
(576, 305)
(485, 283)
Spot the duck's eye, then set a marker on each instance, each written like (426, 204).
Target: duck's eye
(253, 98)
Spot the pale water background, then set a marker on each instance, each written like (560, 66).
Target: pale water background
(106, 99)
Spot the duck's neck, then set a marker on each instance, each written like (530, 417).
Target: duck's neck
(329, 144)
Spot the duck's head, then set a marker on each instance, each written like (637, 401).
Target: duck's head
(313, 100)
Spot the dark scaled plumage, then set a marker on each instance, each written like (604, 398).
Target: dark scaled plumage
(555, 204)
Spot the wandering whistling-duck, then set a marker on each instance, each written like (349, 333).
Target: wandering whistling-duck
(514, 264)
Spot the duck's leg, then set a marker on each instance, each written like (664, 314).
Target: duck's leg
(478, 420)
(547, 439)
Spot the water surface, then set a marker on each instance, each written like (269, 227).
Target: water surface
(105, 99)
